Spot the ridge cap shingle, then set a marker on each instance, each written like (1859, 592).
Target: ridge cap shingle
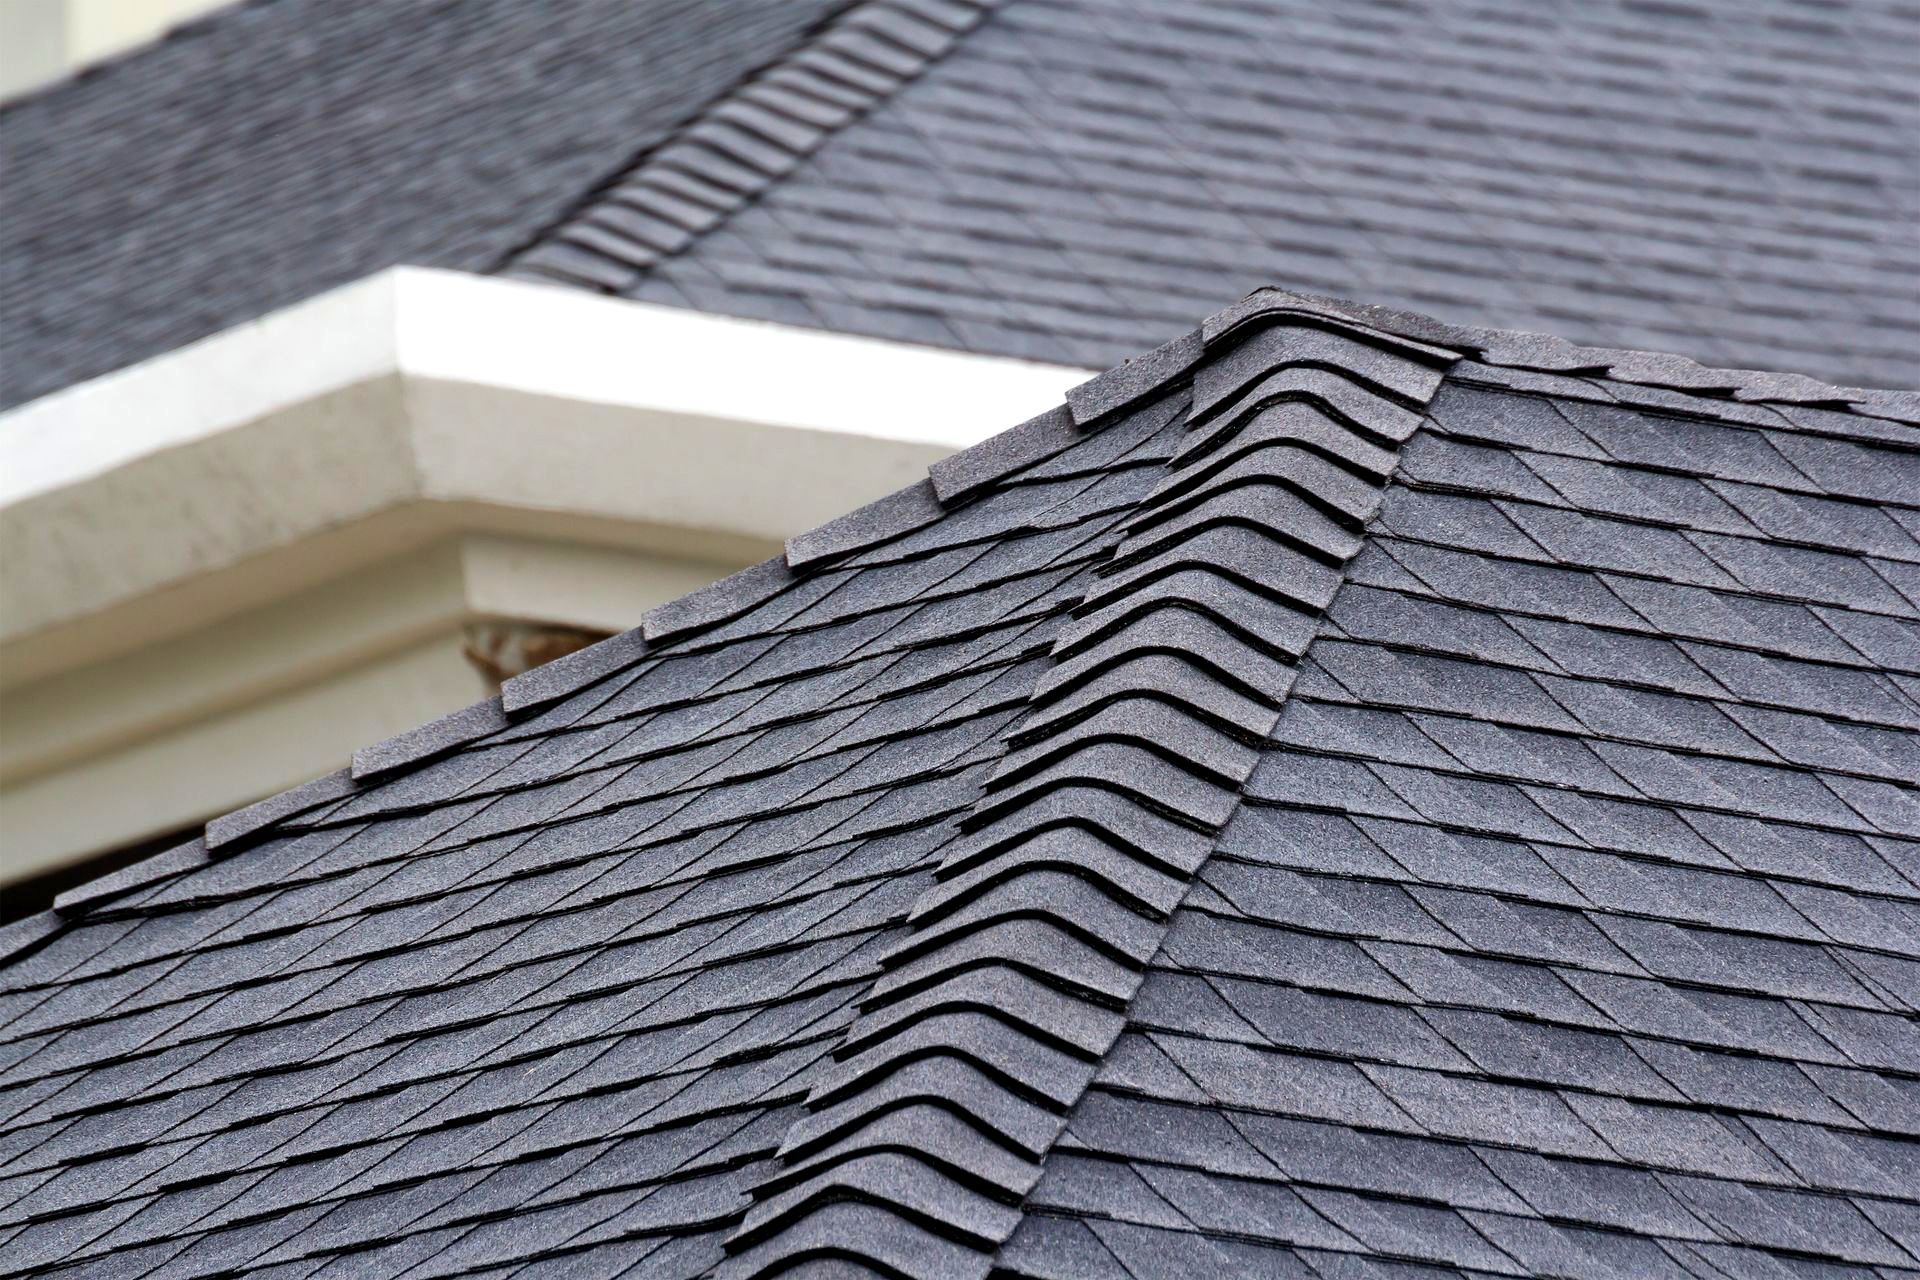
(1545, 353)
(1106, 800)
(1016, 966)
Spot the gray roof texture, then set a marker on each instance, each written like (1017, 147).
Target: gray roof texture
(1737, 180)
(1343, 796)
(279, 148)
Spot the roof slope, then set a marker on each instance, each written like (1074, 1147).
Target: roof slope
(1569, 922)
(1064, 180)
(1341, 792)
(1735, 180)
(278, 148)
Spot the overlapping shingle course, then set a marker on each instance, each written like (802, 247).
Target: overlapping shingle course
(1326, 801)
(1074, 178)
(1066, 180)
(644, 921)
(995, 1010)
(1520, 956)
(275, 149)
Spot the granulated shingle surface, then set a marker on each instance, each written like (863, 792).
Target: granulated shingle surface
(279, 148)
(1431, 817)
(1067, 180)
(1737, 181)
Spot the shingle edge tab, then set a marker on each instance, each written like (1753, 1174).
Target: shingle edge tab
(552, 681)
(429, 740)
(1142, 376)
(148, 871)
(1034, 440)
(727, 598)
(224, 831)
(899, 512)
(27, 933)
(1544, 353)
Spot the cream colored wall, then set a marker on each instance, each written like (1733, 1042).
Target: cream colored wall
(165, 737)
(44, 40)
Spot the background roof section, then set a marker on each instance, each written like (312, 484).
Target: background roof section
(1068, 180)
(1734, 181)
(282, 147)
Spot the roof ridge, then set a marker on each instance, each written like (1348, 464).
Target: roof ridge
(997, 1008)
(745, 141)
(1547, 354)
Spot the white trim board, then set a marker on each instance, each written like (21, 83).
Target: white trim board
(538, 339)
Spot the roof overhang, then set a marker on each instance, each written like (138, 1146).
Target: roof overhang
(194, 537)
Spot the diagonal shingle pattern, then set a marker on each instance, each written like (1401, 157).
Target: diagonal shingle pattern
(271, 150)
(1568, 922)
(1344, 794)
(564, 937)
(1731, 179)
(747, 140)
(1066, 180)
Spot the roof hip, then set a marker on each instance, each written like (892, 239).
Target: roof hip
(1349, 361)
(996, 1009)
(925, 1140)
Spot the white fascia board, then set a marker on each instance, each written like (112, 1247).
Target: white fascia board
(421, 403)
(549, 341)
(536, 339)
(244, 374)
(224, 569)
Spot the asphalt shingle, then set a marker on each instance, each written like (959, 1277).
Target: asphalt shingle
(1089, 865)
(1266, 138)
(210, 166)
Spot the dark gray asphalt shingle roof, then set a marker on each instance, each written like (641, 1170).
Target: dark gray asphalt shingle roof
(1343, 796)
(280, 148)
(1737, 180)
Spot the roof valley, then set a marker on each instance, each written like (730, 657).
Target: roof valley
(994, 1011)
